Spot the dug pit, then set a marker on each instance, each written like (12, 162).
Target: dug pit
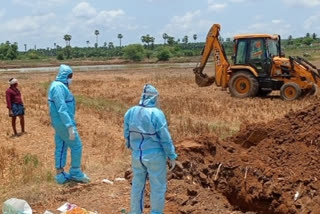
(265, 168)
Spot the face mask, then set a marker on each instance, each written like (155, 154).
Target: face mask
(69, 81)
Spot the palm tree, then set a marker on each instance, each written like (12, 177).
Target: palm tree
(314, 36)
(171, 40)
(185, 39)
(195, 37)
(67, 38)
(110, 45)
(165, 37)
(96, 32)
(148, 39)
(120, 36)
(88, 43)
(152, 41)
(143, 39)
(25, 47)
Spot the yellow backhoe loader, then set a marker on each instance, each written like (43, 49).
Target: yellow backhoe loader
(258, 67)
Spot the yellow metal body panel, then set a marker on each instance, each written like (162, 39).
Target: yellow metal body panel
(298, 74)
(248, 36)
(235, 68)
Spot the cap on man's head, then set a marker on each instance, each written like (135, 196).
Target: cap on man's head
(13, 81)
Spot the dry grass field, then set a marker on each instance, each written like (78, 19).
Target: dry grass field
(27, 162)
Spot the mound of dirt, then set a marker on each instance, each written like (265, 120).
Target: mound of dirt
(265, 168)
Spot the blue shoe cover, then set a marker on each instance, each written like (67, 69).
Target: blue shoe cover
(79, 176)
(62, 177)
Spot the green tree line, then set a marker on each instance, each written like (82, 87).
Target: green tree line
(171, 47)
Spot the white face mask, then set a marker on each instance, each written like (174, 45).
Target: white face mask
(69, 81)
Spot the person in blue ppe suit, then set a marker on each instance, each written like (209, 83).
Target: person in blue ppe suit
(147, 136)
(62, 112)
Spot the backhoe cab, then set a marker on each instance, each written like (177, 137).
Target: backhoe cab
(258, 67)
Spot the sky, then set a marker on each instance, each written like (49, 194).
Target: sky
(45, 22)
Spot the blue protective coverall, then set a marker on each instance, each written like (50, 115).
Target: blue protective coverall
(62, 108)
(147, 136)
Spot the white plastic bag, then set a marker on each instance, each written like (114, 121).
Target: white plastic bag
(16, 206)
(66, 207)
(107, 181)
(119, 179)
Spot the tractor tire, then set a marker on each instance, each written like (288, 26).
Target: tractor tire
(290, 91)
(314, 90)
(243, 84)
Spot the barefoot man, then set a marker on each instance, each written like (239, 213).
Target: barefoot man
(15, 105)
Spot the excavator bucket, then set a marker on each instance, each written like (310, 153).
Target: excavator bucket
(203, 80)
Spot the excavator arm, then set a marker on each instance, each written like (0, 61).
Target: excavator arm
(220, 61)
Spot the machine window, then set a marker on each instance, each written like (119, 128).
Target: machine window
(256, 49)
(273, 47)
(241, 53)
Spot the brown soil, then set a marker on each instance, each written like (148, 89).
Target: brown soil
(280, 157)
(54, 62)
(86, 62)
(262, 168)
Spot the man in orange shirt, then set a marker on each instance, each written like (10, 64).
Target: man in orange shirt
(257, 50)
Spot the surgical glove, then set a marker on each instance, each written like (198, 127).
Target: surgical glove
(172, 164)
(72, 133)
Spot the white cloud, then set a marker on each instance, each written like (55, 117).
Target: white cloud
(105, 17)
(258, 17)
(188, 24)
(274, 27)
(276, 21)
(307, 3)
(184, 22)
(40, 3)
(86, 16)
(28, 24)
(2, 12)
(187, 18)
(312, 23)
(84, 10)
(217, 7)
(237, 1)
